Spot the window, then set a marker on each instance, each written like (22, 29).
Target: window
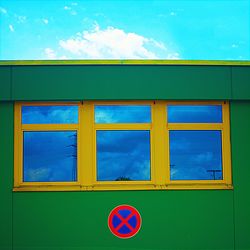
(46, 144)
(199, 144)
(122, 145)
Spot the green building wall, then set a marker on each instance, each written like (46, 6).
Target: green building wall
(171, 220)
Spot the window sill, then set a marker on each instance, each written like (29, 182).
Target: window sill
(121, 187)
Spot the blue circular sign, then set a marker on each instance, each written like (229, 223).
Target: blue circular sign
(124, 221)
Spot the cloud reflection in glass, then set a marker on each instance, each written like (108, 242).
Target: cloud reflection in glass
(195, 155)
(122, 114)
(194, 113)
(49, 114)
(50, 156)
(123, 155)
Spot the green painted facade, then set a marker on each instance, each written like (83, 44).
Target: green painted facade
(171, 220)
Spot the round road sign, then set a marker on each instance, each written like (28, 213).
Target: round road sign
(124, 221)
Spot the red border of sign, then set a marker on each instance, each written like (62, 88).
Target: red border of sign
(136, 229)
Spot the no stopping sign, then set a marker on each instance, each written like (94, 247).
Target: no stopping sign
(124, 221)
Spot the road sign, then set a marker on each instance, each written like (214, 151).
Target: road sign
(124, 221)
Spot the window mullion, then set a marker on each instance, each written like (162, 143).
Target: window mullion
(86, 164)
(226, 150)
(18, 146)
(160, 157)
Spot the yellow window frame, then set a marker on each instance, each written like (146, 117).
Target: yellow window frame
(86, 148)
(130, 185)
(19, 184)
(224, 127)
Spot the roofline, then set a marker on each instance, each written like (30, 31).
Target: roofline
(124, 62)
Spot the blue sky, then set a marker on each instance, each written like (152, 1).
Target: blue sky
(124, 29)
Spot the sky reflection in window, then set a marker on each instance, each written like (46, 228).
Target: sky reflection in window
(194, 113)
(123, 155)
(50, 156)
(122, 114)
(195, 155)
(49, 114)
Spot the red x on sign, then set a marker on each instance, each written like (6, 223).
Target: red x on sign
(124, 221)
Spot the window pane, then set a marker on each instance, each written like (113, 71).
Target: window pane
(123, 155)
(195, 155)
(49, 114)
(195, 113)
(122, 114)
(50, 156)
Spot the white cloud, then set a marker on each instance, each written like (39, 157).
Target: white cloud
(38, 174)
(21, 19)
(172, 13)
(50, 53)
(113, 43)
(74, 4)
(158, 44)
(11, 28)
(73, 12)
(173, 56)
(235, 46)
(3, 11)
(46, 21)
(174, 172)
(104, 117)
(204, 157)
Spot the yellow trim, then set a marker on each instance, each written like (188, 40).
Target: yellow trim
(86, 150)
(226, 145)
(47, 188)
(17, 145)
(159, 142)
(122, 187)
(123, 103)
(199, 186)
(119, 126)
(194, 103)
(46, 127)
(45, 184)
(195, 126)
(87, 143)
(56, 103)
(125, 62)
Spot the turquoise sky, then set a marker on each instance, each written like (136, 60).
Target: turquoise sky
(124, 29)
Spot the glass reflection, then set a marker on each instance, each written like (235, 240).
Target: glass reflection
(50, 156)
(123, 155)
(49, 114)
(195, 155)
(122, 114)
(195, 113)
